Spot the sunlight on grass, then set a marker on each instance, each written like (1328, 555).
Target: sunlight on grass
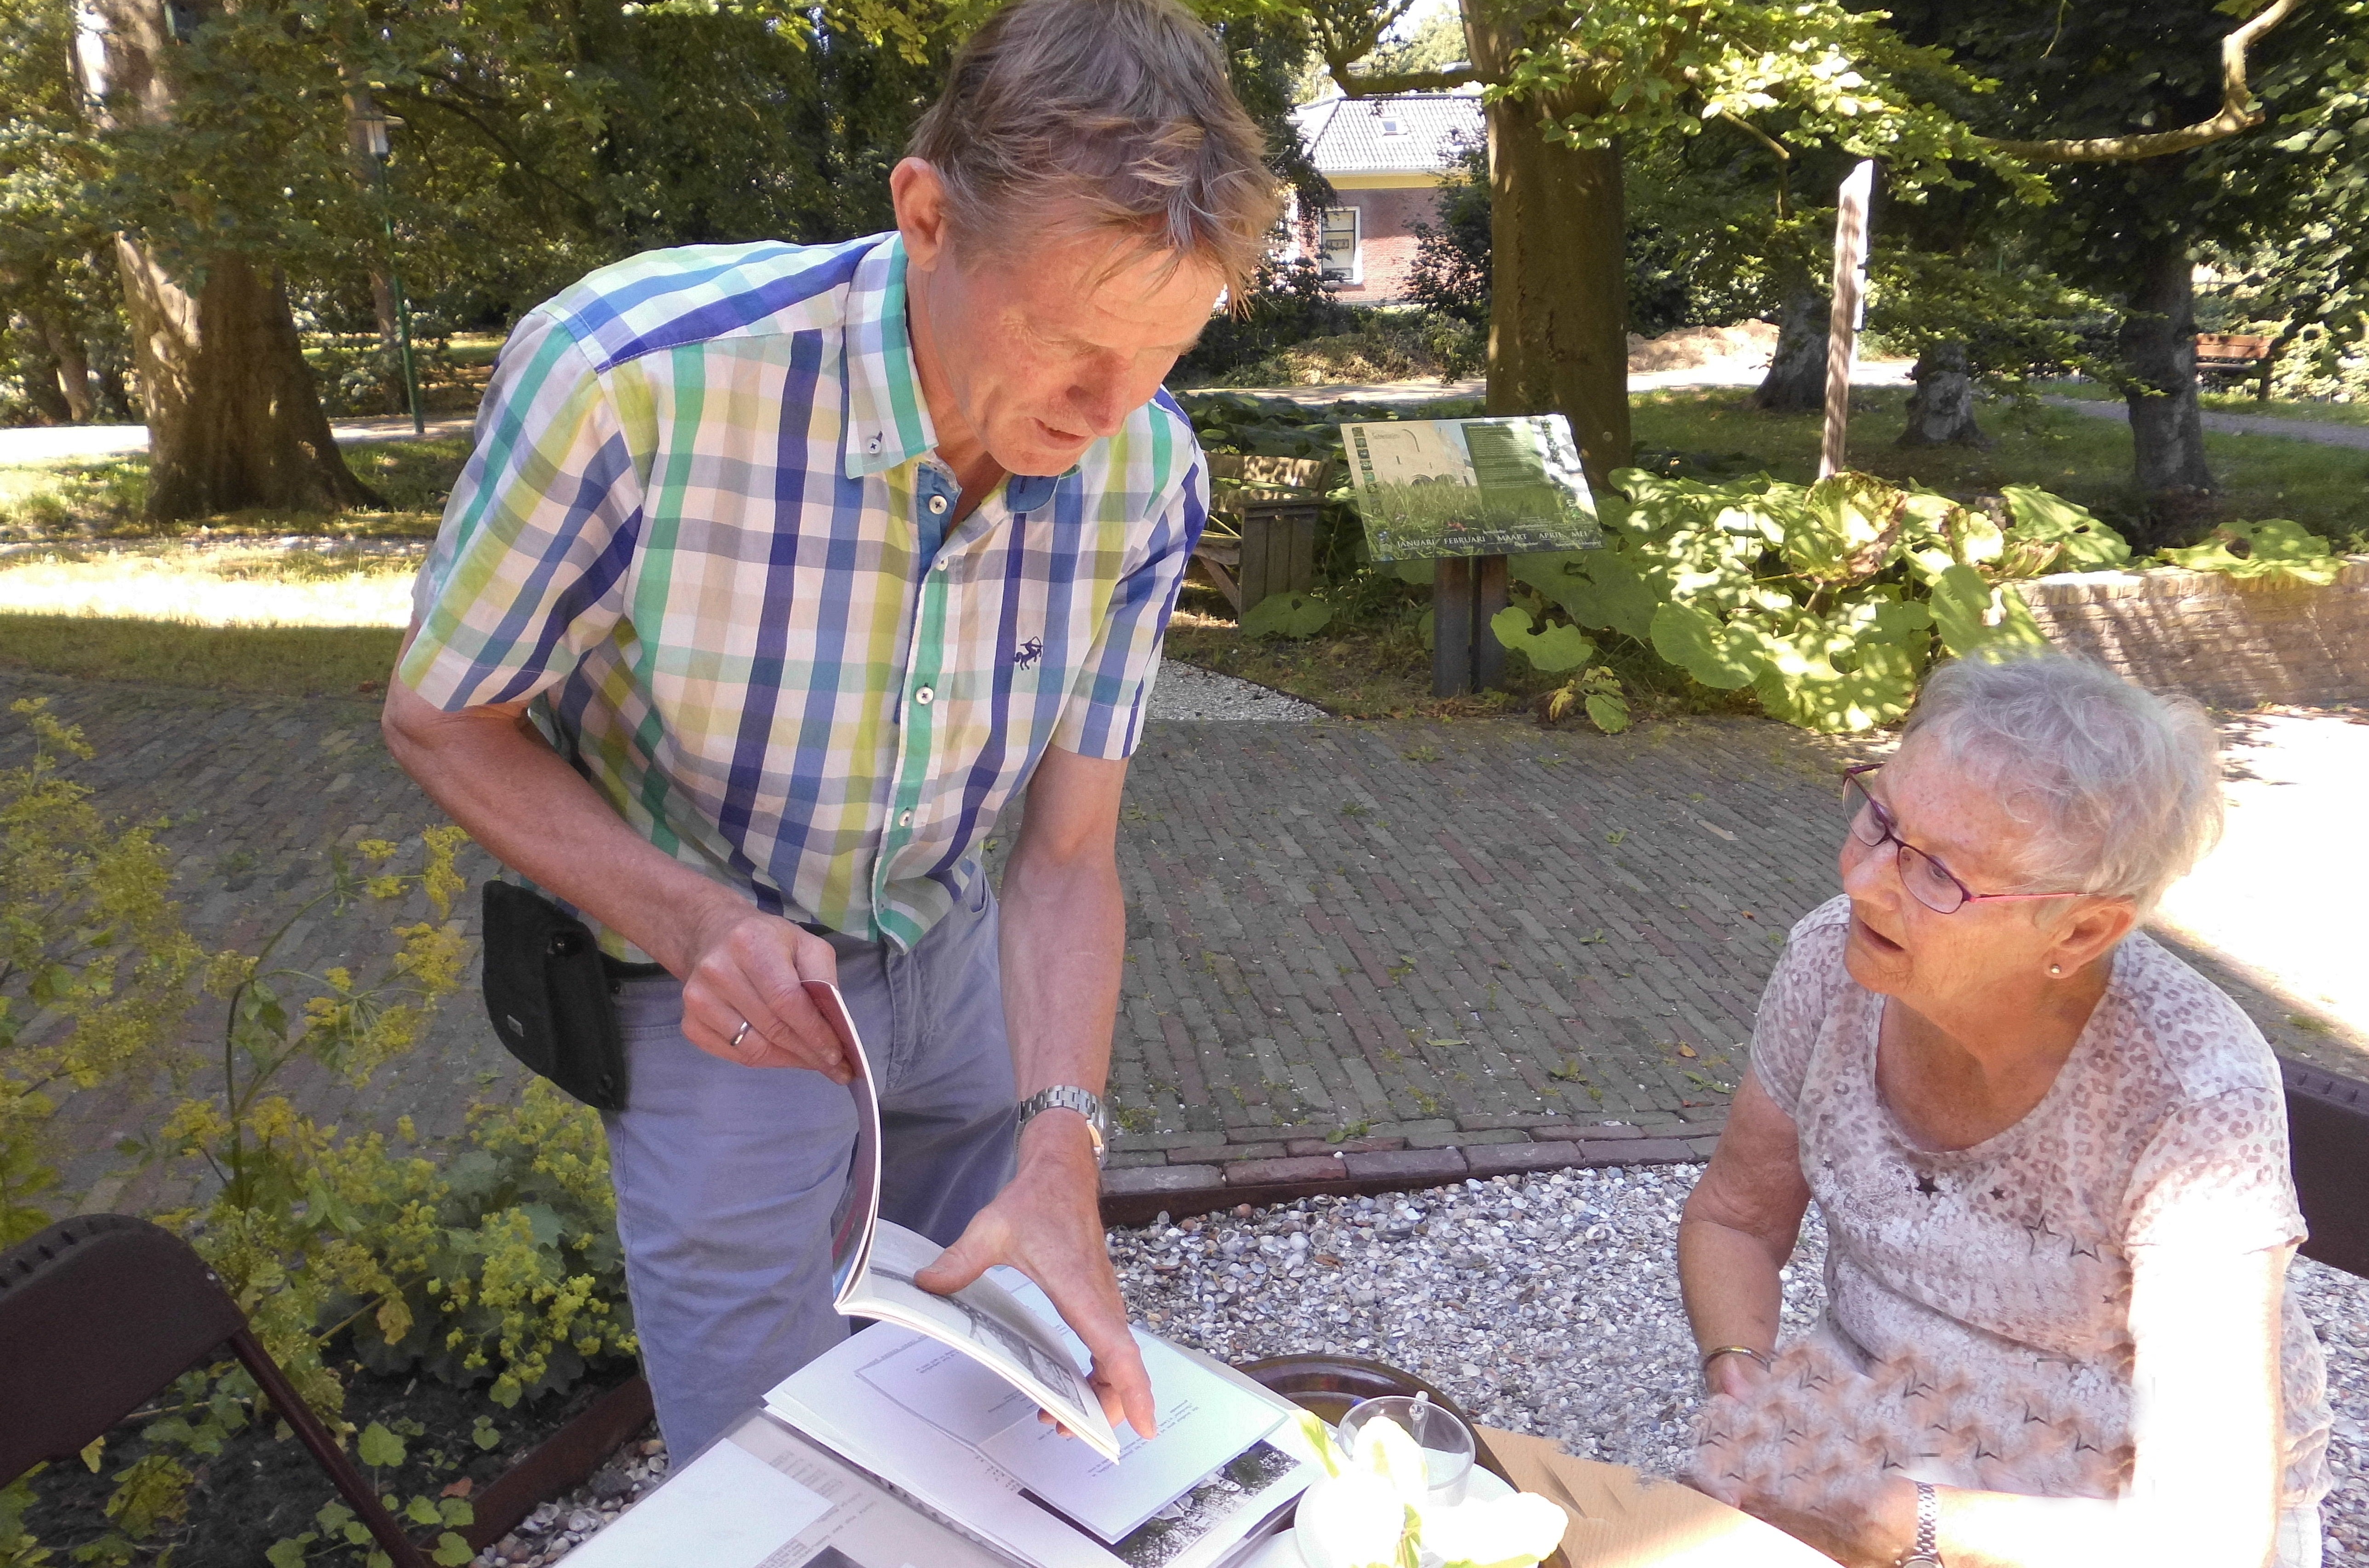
(101, 498)
(217, 584)
(2229, 403)
(290, 661)
(2082, 458)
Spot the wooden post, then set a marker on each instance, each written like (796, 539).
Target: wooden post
(1488, 598)
(1466, 656)
(1451, 626)
(1849, 309)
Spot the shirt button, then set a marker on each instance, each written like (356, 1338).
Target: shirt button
(925, 697)
(938, 504)
(942, 563)
(904, 818)
(872, 445)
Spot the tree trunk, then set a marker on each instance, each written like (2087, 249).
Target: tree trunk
(73, 367)
(2159, 351)
(1559, 282)
(41, 377)
(390, 341)
(1941, 409)
(1796, 382)
(233, 418)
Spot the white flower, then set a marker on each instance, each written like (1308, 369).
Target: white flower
(1508, 1532)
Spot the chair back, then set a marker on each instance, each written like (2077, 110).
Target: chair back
(2328, 1138)
(96, 1315)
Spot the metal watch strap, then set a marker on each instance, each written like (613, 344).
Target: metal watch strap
(1927, 1552)
(1068, 1097)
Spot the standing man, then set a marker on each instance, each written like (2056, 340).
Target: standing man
(803, 559)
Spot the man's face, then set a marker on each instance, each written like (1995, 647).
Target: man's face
(1043, 354)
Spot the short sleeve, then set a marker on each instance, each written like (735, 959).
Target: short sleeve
(1103, 715)
(1793, 1004)
(528, 571)
(2216, 1175)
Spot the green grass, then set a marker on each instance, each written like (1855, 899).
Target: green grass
(2229, 403)
(101, 498)
(288, 661)
(2084, 459)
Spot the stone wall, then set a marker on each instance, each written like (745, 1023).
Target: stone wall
(2227, 642)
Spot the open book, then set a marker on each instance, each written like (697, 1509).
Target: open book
(873, 1262)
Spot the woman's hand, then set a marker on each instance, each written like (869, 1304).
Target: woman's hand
(1872, 1531)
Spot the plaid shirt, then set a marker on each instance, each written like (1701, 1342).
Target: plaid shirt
(704, 523)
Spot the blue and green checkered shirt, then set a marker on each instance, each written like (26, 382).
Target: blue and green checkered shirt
(704, 523)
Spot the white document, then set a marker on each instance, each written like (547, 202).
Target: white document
(764, 1497)
(873, 1262)
(894, 1404)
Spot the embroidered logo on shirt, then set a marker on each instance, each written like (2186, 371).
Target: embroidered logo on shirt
(1028, 653)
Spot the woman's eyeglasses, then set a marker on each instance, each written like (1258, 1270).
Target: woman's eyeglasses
(1929, 881)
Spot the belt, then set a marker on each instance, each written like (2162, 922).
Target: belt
(617, 969)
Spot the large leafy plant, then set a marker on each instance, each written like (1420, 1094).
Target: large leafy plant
(1827, 599)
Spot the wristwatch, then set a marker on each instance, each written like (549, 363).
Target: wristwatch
(1925, 1553)
(1068, 1097)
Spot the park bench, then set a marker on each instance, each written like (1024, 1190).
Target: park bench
(1261, 537)
(2237, 353)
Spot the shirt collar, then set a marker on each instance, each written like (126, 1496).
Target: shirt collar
(888, 421)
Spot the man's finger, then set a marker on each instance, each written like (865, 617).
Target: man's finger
(1124, 1387)
(960, 1263)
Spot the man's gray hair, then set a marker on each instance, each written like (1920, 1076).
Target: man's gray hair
(1063, 117)
(2120, 787)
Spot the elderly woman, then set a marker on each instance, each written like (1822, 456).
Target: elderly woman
(2052, 1160)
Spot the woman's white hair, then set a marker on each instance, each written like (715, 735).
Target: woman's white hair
(2121, 788)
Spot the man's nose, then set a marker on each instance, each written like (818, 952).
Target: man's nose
(1104, 401)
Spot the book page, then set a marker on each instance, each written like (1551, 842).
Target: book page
(905, 1409)
(983, 1321)
(859, 1207)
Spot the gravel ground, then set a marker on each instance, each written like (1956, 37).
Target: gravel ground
(1185, 692)
(1545, 1304)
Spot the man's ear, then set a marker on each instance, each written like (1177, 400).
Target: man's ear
(922, 217)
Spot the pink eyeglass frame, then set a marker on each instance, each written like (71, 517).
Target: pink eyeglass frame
(1889, 828)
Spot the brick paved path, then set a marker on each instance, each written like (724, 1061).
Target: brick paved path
(1384, 952)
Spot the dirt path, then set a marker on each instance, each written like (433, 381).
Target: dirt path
(2312, 430)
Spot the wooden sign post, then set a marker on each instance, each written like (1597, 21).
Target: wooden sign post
(1465, 495)
(1850, 308)
(1466, 591)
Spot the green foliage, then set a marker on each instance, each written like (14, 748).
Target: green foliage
(1825, 600)
(1598, 692)
(2275, 550)
(93, 964)
(1287, 615)
(500, 1266)
(1550, 650)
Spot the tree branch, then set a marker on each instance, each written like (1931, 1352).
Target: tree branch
(2236, 114)
(1382, 84)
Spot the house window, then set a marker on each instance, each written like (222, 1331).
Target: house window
(1340, 259)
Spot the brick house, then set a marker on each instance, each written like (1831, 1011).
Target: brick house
(1385, 158)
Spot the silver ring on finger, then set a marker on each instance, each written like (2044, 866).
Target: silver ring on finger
(738, 1035)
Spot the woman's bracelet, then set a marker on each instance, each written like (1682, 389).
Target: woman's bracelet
(1766, 1365)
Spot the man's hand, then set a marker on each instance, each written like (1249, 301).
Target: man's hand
(1048, 1225)
(739, 966)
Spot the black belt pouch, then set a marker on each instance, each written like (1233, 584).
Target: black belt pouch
(548, 995)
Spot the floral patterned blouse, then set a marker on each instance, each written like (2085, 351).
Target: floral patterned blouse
(1990, 1286)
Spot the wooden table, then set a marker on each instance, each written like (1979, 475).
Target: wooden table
(1622, 1519)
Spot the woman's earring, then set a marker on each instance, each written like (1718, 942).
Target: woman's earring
(2056, 968)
